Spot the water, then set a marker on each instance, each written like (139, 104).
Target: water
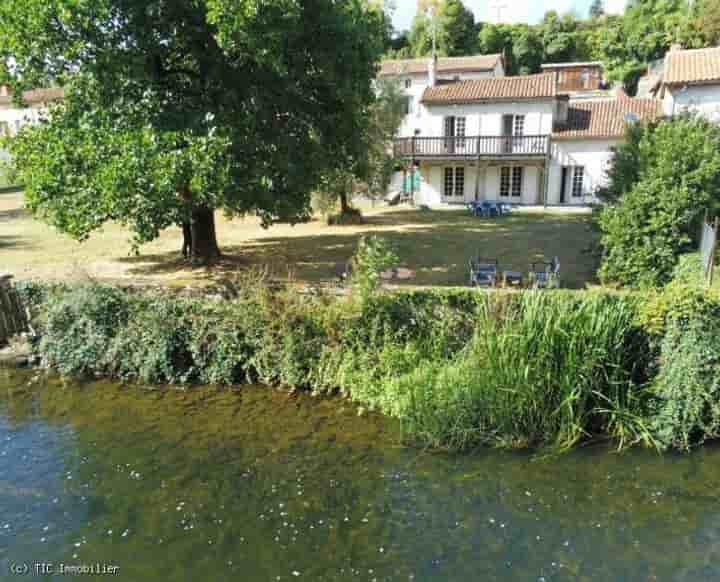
(254, 485)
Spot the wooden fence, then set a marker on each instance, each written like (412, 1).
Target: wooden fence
(12, 311)
(708, 247)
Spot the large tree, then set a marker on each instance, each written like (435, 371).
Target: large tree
(176, 108)
(452, 23)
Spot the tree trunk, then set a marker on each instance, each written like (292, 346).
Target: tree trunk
(204, 247)
(344, 204)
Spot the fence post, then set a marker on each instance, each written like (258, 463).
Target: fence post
(713, 250)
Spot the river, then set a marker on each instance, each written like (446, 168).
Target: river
(256, 485)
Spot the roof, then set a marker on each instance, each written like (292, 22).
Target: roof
(36, 96)
(571, 65)
(692, 66)
(493, 89)
(445, 65)
(606, 118)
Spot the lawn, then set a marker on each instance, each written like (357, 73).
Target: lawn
(437, 244)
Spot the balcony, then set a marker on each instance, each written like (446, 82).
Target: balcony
(516, 146)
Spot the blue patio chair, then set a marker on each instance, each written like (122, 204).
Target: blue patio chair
(483, 272)
(544, 275)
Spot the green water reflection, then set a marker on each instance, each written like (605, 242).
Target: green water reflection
(255, 485)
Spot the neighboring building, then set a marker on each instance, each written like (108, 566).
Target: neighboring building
(414, 75)
(576, 77)
(514, 139)
(12, 117)
(583, 143)
(691, 82)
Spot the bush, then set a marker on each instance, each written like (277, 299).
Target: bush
(458, 368)
(373, 256)
(664, 177)
(78, 326)
(687, 410)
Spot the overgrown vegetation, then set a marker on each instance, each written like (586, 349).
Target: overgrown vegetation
(458, 368)
(664, 177)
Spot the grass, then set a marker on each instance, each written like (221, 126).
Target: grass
(437, 244)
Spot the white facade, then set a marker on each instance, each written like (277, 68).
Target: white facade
(414, 84)
(594, 156)
(701, 99)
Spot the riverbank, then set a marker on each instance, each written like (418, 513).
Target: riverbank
(458, 368)
(251, 484)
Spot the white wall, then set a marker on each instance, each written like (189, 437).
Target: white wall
(702, 99)
(594, 155)
(486, 118)
(431, 189)
(419, 82)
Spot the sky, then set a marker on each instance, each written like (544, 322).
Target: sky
(512, 10)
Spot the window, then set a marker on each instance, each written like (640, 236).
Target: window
(511, 181)
(408, 83)
(459, 181)
(517, 181)
(519, 125)
(408, 105)
(454, 182)
(577, 181)
(449, 182)
(504, 182)
(460, 131)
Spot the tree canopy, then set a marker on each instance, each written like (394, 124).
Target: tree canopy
(663, 178)
(175, 109)
(625, 44)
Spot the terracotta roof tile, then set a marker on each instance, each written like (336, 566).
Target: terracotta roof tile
(692, 66)
(445, 65)
(493, 89)
(605, 119)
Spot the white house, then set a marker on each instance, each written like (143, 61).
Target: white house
(12, 117)
(691, 82)
(515, 139)
(414, 76)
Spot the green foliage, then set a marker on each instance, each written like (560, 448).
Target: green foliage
(373, 256)
(458, 368)
(663, 180)
(544, 369)
(688, 386)
(677, 302)
(78, 326)
(172, 109)
(454, 30)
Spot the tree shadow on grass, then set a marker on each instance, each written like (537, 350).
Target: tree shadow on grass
(8, 242)
(436, 244)
(13, 214)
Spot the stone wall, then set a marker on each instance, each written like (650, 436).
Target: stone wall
(12, 312)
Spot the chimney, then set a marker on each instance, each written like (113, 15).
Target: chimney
(432, 71)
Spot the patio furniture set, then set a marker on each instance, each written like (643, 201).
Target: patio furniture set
(542, 274)
(488, 209)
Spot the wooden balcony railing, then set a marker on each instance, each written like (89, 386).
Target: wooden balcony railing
(478, 146)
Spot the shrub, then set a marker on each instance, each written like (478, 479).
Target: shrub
(687, 389)
(675, 302)
(458, 368)
(662, 180)
(79, 325)
(373, 256)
